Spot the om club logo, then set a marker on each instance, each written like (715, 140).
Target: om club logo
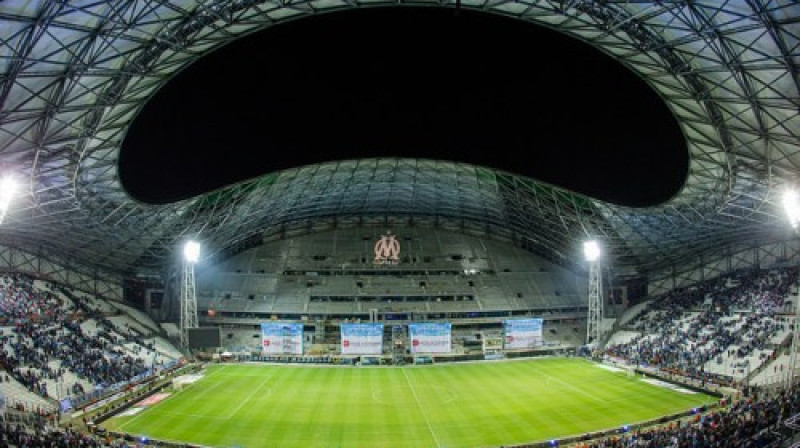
(387, 249)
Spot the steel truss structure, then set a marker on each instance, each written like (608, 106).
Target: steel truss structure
(73, 74)
(188, 303)
(594, 318)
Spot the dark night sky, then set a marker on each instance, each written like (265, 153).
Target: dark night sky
(407, 82)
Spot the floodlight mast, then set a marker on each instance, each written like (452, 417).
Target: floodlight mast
(594, 319)
(791, 204)
(191, 253)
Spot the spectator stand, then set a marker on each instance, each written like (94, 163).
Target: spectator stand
(723, 330)
(139, 318)
(64, 345)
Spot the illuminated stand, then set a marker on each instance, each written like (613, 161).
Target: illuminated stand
(791, 203)
(591, 250)
(191, 253)
(7, 189)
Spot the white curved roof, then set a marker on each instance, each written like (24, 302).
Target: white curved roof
(74, 74)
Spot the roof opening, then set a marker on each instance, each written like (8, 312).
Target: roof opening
(407, 82)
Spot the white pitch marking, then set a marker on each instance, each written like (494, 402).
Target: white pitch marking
(424, 415)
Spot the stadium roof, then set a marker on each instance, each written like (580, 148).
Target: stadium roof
(74, 75)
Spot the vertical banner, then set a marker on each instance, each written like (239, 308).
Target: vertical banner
(281, 339)
(430, 338)
(362, 339)
(522, 333)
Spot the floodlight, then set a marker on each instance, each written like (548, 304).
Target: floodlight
(791, 204)
(191, 251)
(591, 250)
(7, 189)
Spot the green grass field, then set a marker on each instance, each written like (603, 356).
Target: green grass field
(454, 405)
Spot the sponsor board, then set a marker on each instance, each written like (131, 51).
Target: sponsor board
(131, 411)
(100, 403)
(153, 400)
(281, 338)
(187, 379)
(522, 333)
(361, 339)
(667, 385)
(430, 337)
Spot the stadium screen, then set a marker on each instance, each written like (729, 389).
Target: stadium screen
(204, 337)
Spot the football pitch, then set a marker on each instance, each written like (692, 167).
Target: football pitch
(446, 405)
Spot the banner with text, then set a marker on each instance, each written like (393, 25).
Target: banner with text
(362, 339)
(522, 333)
(430, 338)
(282, 339)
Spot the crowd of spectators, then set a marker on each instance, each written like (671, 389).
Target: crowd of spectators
(747, 423)
(47, 341)
(19, 303)
(40, 435)
(728, 317)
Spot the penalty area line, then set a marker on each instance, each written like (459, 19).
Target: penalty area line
(253, 394)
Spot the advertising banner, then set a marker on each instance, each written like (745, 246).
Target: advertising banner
(362, 339)
(522, 333)
(281, 338)
(430, 337)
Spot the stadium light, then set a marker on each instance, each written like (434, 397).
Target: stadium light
(191, 251)
(591, 250)
(7, 189)
(791, 204)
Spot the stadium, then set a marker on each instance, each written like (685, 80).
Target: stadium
(386, 301)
